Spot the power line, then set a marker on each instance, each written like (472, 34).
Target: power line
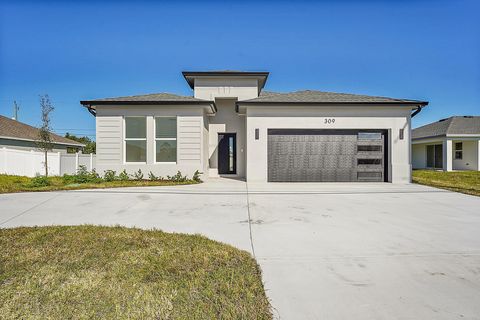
(86, 129)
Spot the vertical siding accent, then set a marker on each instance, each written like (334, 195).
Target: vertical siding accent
(189, 141)
(109, 140)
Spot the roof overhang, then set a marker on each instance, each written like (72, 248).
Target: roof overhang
(465, 136)
(436, 137)
(413, 105)
(92, 104)
(190, 76)
(53, 142)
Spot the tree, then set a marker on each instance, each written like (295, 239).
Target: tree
(90, 146)
(44, 142)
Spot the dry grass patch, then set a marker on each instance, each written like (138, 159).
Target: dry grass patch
(90, 272)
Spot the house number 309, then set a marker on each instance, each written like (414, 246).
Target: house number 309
(329, 120)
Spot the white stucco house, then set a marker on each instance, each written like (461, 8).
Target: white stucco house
(448, 144)
(231, 127)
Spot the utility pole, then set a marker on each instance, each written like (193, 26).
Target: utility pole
(16, 107)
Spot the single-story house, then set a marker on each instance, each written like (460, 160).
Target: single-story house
(17, 135)
(448, 144)
(231, 127)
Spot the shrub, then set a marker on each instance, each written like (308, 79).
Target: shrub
(178, 177)
(94, 175)
(39, 181)
(82, 170)
(123, 176)
(82, 176)
(138, 175)
(153, 177)
(109, 175)
(196, 176)
(68, 179)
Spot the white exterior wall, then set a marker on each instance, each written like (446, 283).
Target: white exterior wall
(211, 88)
(191, 134)
(205, 145)
(392, 118)
(469, 159)
(419, 156)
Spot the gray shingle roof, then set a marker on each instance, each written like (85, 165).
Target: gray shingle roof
(153, 97)
(16, 130)
(313, 96)
(457, 125)
(149, 99)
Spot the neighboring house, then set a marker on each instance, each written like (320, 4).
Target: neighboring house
(449, 144)
(21, 136)
(231, 127)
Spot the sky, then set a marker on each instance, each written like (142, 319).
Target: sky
(72, 51)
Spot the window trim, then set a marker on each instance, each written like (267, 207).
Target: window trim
(125, 139)
(155, 139)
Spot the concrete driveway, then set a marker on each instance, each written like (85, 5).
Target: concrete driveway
(327, 251)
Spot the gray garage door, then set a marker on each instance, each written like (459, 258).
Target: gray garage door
(326, 155)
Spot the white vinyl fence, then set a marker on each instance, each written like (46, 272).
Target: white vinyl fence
(31, 163)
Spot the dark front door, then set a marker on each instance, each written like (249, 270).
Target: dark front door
(227, 153)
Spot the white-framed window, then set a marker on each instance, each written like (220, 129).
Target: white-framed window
(165, 139)
(135, 139)
(458, 150)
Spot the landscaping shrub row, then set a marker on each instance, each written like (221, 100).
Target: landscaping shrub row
(85, 176)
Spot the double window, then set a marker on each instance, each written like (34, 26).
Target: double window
(165, 145)
(165, 139)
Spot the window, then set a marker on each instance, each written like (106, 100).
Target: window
(369, 136)
(369, 148)
(135, 139)
(374, 176)
(166, 139)
(369, 161)
(459, 150)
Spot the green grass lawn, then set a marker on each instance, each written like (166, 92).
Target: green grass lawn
(460, 181)
(10, 184)
(91, 272)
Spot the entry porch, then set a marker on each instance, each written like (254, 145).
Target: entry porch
(459, 153)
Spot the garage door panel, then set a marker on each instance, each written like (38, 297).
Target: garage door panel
(314, 161)
(299, 147)
(325, 155)
(279, 147)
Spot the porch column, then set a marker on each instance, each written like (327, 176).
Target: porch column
(447, 155)
(478, 155)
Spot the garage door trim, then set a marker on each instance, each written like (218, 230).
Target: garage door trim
(303, 172)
